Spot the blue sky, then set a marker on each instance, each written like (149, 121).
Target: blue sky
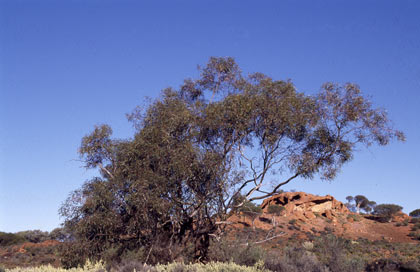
(68, 65)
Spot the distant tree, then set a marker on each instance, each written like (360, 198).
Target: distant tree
(349, 203)
(360, 203)
(59, 234)
(415, 213)
(275, 210)
(197, 148)
(387, 211)
(368, 208)
(251, 210)
(34, 236)
(7, 239)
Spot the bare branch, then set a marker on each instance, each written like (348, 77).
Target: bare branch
(265, 240)
(105, 170)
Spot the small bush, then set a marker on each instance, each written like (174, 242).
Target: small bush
(403, 223)
(415, 220)
(389, 265)
(414, 235)
(294, 260)
(355, 217)
(88, 267)
(131, 265)
(209, 267)
(332, 251)
(226, 251)
(308, 245)
(415, 227)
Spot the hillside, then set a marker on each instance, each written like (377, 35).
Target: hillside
(320, 225)
(306, 214)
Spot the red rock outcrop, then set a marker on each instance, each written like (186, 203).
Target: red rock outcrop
(306, 213)
(301, 204)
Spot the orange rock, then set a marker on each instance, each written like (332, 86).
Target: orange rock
(305, 203)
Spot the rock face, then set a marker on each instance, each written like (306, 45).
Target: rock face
(306, 205)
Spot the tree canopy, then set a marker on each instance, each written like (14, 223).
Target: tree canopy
(415, 213)
(360, 202)
(199, 147)
(387, 211)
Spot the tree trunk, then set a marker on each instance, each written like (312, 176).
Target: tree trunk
(202, 245)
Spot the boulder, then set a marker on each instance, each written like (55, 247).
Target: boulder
(306, 204)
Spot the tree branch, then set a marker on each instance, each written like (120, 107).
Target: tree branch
(266, 240)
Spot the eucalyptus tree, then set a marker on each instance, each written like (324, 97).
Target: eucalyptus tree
(361, 202)
(197, 148)
(386, 211)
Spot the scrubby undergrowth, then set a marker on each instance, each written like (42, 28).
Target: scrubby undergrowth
(173, 267)
(326, 253)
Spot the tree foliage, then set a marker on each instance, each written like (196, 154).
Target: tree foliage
(7, 239)
(275, 209)
(251, 210)
(360, 202)
(387, 211)
(34, 236)
(199, 147)
(415, 213)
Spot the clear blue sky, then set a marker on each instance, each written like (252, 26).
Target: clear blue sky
(68, 65)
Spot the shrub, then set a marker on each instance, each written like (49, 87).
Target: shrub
(332, 252)
(226, 251)
(88, 267)
(71, 255)
(7, 239)
(294, 260)
(415, 227)
(209, 267)
(308, 245)
(389, 265)
(403, 223)
(415, 220)
(355, 217)
(414, 235)
(131, 265)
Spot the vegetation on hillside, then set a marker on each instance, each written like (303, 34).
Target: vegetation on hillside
(320, 253)
(7, 239)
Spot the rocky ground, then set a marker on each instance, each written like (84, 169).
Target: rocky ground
(306, 214)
